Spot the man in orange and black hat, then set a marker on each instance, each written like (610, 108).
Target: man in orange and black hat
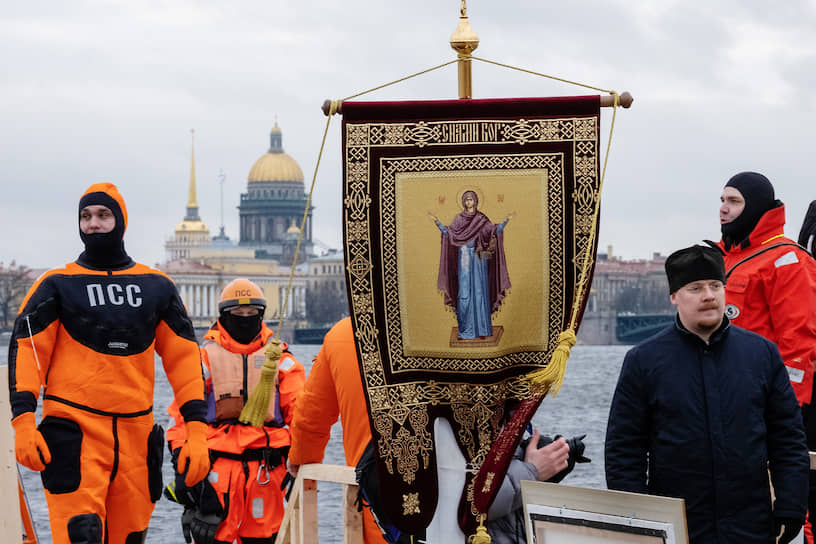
(87, 334)
(242, 498)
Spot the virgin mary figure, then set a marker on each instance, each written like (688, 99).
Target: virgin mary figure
(472, 268)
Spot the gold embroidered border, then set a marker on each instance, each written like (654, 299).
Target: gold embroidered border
(400, 411)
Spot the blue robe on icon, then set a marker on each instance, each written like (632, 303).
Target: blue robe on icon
(472, 271)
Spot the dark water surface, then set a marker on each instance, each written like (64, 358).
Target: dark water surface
(581, 407)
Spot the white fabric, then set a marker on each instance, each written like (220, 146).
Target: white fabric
(787, 258)
(450, 472)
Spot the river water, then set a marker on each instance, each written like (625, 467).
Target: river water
(581, 407)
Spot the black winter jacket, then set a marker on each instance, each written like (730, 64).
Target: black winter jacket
(705, 423)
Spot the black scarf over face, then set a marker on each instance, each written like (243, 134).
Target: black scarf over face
(104, 250)
(759, 198)
(242, 329)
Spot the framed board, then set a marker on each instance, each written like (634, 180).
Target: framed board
(560, 514)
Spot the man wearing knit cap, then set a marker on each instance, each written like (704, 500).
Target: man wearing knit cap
(703, 411)
(87, 335)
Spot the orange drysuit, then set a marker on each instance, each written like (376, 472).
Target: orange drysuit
(249, 462)
(334, 388)
(87, 334)
(89, 338)
(771, 290)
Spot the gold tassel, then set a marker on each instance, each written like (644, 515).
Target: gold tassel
(481, 536)
(551, 376)
(257, 404)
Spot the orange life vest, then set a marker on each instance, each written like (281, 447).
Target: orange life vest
(234, 376)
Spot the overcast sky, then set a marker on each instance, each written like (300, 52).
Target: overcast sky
(108, 91)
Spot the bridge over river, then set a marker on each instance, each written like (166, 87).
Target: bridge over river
(631, 329)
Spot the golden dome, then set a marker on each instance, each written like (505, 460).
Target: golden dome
(192, 226)
(275, 165)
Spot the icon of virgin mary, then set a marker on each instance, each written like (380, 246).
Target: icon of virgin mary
(472, 268)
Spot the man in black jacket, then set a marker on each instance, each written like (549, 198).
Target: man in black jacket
(703, 410)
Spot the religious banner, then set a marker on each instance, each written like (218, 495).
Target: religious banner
(466, 228)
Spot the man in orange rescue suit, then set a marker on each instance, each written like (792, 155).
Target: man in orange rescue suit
(771, 285)
(242, 497)
(334, 388)
(87, 334)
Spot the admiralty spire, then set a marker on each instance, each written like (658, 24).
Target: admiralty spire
(192, 231)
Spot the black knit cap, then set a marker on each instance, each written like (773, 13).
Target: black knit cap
(694, 263)
(759, 197)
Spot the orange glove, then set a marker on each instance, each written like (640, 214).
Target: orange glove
(194, 457)
(29, 445)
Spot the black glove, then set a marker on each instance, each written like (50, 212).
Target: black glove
(186, 520)
(287, 484)
(204, 526)
(787, 529)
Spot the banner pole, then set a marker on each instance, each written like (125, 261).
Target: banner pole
(464, 41)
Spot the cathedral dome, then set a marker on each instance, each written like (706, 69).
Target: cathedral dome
(275, 165)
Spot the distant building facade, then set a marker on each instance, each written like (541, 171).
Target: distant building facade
(326, 298)
(328, 270)
(622, 288)
(201, 278)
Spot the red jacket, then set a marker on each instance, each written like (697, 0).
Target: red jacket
(334, 388)
(771, 290)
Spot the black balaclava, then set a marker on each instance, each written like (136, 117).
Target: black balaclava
(104, 250)
(242, 329)
(759, 198)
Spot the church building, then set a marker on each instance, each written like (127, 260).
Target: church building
(271, 211)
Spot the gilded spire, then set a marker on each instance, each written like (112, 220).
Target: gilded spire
(192, 205)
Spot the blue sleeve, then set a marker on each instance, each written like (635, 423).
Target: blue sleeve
(627, 431)
(441, 227)
(788, 459)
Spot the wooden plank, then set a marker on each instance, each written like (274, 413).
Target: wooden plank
(308, 513)
(289, 519)
(299, 525)
(329, 473)
(11, 529)
(352, 518)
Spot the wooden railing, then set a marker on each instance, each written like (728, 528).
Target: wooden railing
(299, 524)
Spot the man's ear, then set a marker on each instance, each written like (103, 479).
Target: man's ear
(673, 298)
